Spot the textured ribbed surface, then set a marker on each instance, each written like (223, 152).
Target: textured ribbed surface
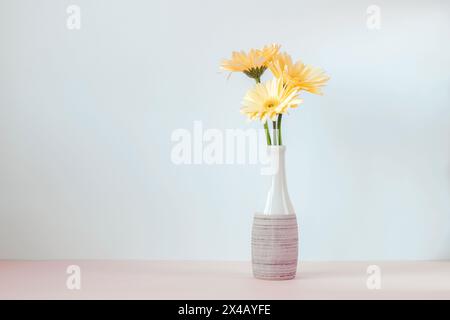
(274, 246)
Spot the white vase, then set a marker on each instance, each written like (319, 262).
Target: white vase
(275, 230)
(278, 201)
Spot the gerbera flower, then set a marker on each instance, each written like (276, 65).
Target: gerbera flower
(267, 100)
(298, 74)
(253, 63)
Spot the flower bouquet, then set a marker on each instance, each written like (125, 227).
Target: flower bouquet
(275, 231)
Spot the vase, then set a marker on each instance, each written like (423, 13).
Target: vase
(275, 230)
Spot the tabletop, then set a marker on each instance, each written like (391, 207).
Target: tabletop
(88, 279)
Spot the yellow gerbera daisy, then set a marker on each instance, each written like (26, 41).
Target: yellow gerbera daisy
(267, 100)
(298, 74)
(253, 63)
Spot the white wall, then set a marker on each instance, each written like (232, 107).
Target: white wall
(86, 119)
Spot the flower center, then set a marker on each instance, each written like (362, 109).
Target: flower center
(269, 104)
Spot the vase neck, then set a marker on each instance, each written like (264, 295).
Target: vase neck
(277, 160)
(278, 201)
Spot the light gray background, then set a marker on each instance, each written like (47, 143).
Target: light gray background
(86, 119)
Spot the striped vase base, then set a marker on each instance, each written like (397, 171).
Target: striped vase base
(274, 246)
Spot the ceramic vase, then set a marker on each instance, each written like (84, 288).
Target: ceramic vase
(275, 230)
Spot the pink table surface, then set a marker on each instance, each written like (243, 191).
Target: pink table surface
(220, 280)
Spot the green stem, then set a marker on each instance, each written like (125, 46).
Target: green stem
(266, 126)
(274, 126)
(280, 142)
